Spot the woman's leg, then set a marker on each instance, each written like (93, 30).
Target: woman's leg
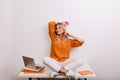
(63, 70)
(53, 64)
(70, 65)
(73, 64)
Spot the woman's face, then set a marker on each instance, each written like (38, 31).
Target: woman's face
(59, 29)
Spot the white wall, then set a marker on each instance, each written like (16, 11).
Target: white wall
(23, 31)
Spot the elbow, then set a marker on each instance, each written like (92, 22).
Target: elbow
(51, 23)
(82, 42)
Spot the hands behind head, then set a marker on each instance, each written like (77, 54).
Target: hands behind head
(67, 34)
(65, 23)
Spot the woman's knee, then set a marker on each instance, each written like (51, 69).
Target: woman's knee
(79, 61)
(46, 60)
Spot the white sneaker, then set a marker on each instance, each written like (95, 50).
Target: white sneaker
(54, 74)
(70, 74)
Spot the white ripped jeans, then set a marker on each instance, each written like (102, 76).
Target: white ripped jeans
(56, 66)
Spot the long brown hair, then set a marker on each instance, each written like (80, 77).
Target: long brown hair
(63, 34)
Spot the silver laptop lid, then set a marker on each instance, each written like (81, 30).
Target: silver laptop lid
(29, 62)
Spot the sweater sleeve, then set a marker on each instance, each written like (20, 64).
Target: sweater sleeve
(76, 43)
(51, 26)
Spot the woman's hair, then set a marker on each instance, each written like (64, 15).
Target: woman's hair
(63, 34)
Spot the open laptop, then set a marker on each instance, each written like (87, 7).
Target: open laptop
(29, 64)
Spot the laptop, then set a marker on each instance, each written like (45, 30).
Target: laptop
(29, 64)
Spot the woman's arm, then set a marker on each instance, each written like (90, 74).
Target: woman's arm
(65, 23)
(78, 39)
(51, 26)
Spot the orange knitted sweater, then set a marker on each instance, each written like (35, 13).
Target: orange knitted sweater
(60, 50)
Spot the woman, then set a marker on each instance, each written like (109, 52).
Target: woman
(61, 44)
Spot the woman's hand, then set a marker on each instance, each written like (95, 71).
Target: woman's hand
(69, 35)
(65, 23)
(65, 33)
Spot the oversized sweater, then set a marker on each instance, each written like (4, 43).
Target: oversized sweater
(60, 49)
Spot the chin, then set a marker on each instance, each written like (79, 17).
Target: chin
(59, 33)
